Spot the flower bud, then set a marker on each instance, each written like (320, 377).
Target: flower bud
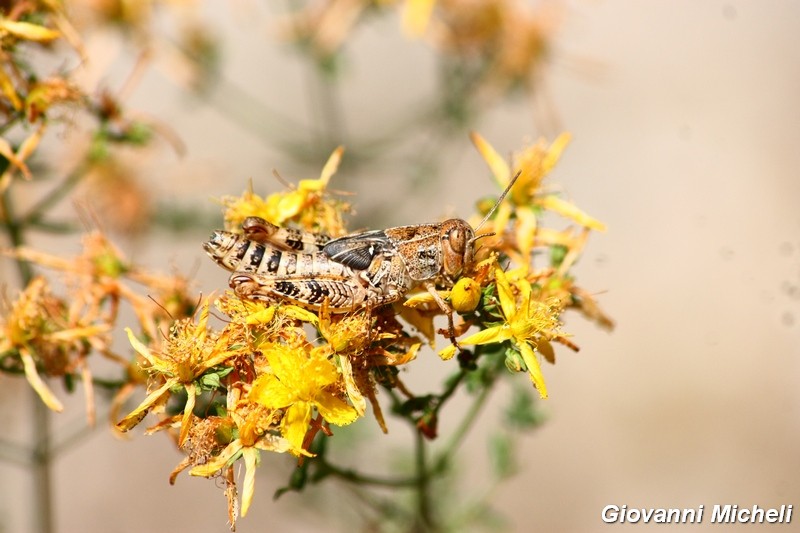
(466, 295)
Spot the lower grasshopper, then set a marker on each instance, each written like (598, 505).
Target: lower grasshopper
(361, 270)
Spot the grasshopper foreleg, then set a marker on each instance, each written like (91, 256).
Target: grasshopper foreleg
(447, 310)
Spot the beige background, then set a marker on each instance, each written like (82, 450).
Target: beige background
(685, 118)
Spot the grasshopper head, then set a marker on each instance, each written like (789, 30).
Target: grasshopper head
(224, 247)
(457, 247)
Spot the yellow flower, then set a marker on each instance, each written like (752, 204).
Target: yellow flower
(188, 353)
(349, 334)
(51, 336)
(254, 430)
(256, 322)
(99, 273)
(306, 205)
(298, 383)
(506, 41)
(533, 164)
(527, 322)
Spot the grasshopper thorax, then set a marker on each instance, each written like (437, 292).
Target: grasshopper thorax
(457, 238)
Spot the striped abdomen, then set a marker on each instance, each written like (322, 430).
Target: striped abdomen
(238, 254)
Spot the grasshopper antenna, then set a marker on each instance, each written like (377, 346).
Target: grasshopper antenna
(494, 208)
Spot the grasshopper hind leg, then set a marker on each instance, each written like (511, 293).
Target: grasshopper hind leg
(287, 239)
(245, 286)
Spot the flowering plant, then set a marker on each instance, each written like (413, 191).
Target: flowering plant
(230, 378)
(277, 377)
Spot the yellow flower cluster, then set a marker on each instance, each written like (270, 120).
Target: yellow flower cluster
(50, 334)
(288, 373)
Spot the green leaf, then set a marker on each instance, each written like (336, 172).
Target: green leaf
(523, 412)
(557, 254)
(212, 380)
(502, 456)
(415, 404)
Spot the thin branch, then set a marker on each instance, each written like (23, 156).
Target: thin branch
(353, 476)
(424, 501)
(58, 193)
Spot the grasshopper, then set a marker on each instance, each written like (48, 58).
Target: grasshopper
(361, 270)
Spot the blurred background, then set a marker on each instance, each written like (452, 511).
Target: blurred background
(685, 118)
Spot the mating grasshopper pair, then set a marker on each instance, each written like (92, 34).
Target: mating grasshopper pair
(358, 271)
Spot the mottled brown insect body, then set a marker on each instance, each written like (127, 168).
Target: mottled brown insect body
(361, 270)
(367, 269)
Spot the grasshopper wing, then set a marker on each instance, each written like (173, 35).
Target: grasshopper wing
(358, 250)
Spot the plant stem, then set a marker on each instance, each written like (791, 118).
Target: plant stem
(14, 230)
(366, 479)
(425, 514)
(455, 440)
(42, 463)
(41, 456)
(35, 214)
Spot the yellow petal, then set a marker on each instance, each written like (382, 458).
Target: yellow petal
(353, 392)
(294, 425)
(287, 364)
(554, 152)
(423, 322)
(501, 218)
(534, 369)
(548, 237)
(526, 230)
(544, 347)
(497, 164)
(7, 152)
(574, 252)
(140, 348)
(416, 16)
(274, 443)
(407, 357)
(215, 464)
(489, 335)
(447, 353)
(566, 209)
(186, 419)
(486, 336)
(35, 381)
(141, 411)
(504, 292)
(31, 142)
(299, 313)
(289, 205)
(424, 298)
(28, 31)
(249, 485)
(8, 89)
(78, 333)
(330, 168)
(335, 410)
(263, 316)
(270, 392)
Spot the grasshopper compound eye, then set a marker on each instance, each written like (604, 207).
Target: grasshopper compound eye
(457, 239)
